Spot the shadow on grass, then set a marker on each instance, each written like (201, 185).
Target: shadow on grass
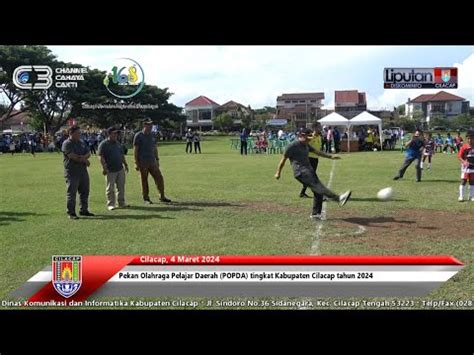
(135, 217)
(374, 199)
(205, 204)
(373, 221)
(7, 217)
(163, 208)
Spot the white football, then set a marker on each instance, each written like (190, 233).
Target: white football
(385, 194)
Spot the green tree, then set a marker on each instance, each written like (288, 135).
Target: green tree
(223, 122)
(438, 120)
(12, 57)
(464, 120)
(246, 118)
(400, 109)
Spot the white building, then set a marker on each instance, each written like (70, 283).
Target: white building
(200, 112)
(446, 104)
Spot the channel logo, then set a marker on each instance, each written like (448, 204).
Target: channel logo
(125, 79)
(33, 77)
(420, 78)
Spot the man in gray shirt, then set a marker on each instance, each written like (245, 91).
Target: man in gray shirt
(147, 161)
(298, 153)
(113, 162)
(76, 160)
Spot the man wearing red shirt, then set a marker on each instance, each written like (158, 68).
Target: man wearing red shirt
(466, 156)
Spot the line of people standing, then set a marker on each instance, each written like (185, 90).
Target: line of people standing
(77, 153)
(193, 137)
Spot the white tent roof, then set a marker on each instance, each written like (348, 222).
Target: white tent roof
(334, 119)
(365, 118)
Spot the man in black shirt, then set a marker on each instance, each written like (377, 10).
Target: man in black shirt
(298, 153)
(147, 161)
(76, 160)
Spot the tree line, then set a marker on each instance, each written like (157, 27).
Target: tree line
(52, 108)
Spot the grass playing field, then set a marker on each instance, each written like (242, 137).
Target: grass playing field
(225, 203)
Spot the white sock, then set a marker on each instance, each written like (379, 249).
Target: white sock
(461, 191)
(471, 188)
(421, 165)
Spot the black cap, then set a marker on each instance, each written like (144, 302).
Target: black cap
(305, 131)
(111, 130)
(147, 121)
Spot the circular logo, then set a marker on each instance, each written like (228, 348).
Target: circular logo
(125, 78)
(23, 77)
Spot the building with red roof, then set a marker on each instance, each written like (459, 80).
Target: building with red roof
(442, 104)
(200, 112)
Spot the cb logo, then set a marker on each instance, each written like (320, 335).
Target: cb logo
(33, 77)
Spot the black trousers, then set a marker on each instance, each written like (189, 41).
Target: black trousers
(314, 164)
(243, 147)
(310, 179)
(189, 145)
(197, 145)
(78, 183)
(407, 163)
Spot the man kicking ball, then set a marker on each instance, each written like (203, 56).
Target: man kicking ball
(298, 153)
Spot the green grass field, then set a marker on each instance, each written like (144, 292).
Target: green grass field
(230, 204)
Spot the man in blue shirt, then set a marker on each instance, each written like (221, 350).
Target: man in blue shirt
(414, 148)
(243, 141)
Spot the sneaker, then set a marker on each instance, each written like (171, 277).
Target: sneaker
(147, 201)
(165, 200)
(86, 213)
(460, 199)
(124, 206)
(111, 208)
(304, 195)
(344, 197)
(396, 177)
(73, 216)
(472, 199)
(316, 216)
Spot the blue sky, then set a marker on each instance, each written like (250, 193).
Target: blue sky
(256, 75)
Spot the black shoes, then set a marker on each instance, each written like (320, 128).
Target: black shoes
(147, 201)
(73, 216)
(86, 213)
(397, 177)
(304, 195)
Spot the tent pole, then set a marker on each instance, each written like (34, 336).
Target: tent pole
(380, 137)
(349, 138)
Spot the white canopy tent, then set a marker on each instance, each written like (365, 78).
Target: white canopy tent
(335, 119)
(367, 119)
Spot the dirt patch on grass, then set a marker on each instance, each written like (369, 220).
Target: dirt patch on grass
(387, 230)
(400, 227)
